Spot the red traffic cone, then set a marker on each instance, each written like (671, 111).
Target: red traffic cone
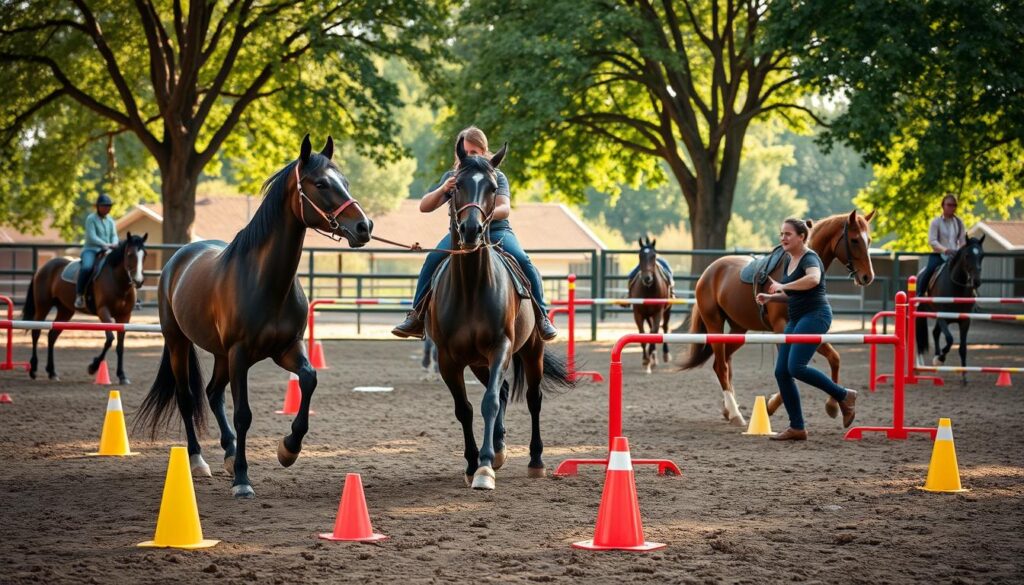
(1003, 379)
(292, 397)
(353, 521)
(317, 359)
(102, 375)
(618, 518)
(5, 398)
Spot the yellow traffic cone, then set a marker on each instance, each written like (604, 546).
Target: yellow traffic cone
(178, 524)
(760, 424)
(943, 472)
(114, 439)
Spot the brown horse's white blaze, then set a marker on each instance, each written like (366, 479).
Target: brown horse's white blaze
(723, 299)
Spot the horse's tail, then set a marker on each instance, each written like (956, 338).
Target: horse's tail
(155, 410)
(699, 352)
(28, 311)
(556, 373)
(921, 332)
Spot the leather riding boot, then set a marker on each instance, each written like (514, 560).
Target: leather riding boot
(790, 434)
(846, 407)
(544, 325)
(412, 326)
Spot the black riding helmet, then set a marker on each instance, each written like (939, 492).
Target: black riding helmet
(104, 199)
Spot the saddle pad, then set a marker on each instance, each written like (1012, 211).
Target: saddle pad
(70, 272)
(661, 270)
(515, 272)
(761, 266)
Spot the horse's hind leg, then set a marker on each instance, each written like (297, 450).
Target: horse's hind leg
(295, 360)
(179, 349)
(723, 355)
(63, 314)
(942, 326)
(652, 324)
(639, 320)
(832, 356)
(499, 424)
(121, 377)
(451, 373)
(105, 317)
(533, 369)
(215, 395)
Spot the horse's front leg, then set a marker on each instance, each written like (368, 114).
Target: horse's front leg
(942, 326)
(452, 374)
(652, 325)
(639, 320)
(294, 360)
(121, 377)
(483, 374)
(238, 366)
(965, 325)
(666, 315)
(490, 404)
(105, 317)
(51, 338)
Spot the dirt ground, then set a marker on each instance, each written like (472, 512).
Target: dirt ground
(745, 510)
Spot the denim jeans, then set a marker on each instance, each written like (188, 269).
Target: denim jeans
(934, 261)
(791, 365)
(509, 243)
(85, 270)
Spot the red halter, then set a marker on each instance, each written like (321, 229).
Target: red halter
(330, 218)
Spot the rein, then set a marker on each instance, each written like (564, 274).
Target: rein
(849, 251)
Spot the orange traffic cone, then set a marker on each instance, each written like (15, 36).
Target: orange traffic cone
(618, 518)
(102, 375)
(353, 521)
(1003, 379)
(317, 359)
(5, 398)
(292, 397)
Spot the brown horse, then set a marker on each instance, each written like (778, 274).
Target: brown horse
(478, 320)
(650, 283)
(113, 292)
(242, 303)
(722, 298)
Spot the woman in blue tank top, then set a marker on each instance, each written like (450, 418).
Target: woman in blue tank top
(802, 288)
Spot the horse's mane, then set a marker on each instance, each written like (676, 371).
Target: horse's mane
(116, 256)
(268, 214)
(826, 224)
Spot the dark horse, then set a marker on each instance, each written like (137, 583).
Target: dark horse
(722, 298)
(242, 303)
(960, 277)
(477, 319)
(650, 283)
(113, 292)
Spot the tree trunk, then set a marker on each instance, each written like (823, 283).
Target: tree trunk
(178, 193)
(709, 224)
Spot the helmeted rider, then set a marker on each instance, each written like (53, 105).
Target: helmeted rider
(100, 236)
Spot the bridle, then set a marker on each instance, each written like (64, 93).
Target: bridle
(331, 218)
(453, 217)
(849, 250)
(955, 264)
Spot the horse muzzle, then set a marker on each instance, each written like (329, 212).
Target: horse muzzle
(359, 235)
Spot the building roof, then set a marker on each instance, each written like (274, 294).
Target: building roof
(49, 235)
(538, 226)
(1009, 234)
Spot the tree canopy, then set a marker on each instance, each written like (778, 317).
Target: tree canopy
(116, 95)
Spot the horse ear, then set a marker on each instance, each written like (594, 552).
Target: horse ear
(460, 149)
(981, 240)
(654, 243)
(129, 236)
(640, 241)
(868, 217)
(853, 217)
(328, 149)
(145, 237)
(499, 156)
(305, 150)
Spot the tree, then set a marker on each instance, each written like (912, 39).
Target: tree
(828, 181)
(932, 94)
(598, 93)
(762, 199)
(186, 82)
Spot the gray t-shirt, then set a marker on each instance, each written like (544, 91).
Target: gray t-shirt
(503, 191)
(948, 233)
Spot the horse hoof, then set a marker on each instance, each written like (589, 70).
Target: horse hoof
(832, 407)
(199, 466)
(483, 479)
(725, 413)
(666, 359)
(738, 421)
(124, 381)
(243, 491)
(499, 459)
(55, 377)
(32, 374)
(469, 480)
(285, 456)
(229, 465)
(536, 472)
(92, 368)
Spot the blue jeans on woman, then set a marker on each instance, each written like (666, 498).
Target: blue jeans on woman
(509, 243)
(85, 270)
(791, 365)
(934, 261)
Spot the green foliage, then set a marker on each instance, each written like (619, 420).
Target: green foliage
(762, 200)
(828, 181)
(267, 74)
(932, 93)
(636, 212)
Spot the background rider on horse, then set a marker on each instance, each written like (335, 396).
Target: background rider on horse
(100, 236)
(946, 235)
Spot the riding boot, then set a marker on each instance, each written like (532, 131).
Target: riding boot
(79, 301)
(413, 324)
(544, 325)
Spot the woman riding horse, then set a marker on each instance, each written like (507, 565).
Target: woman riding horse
(113, 292)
